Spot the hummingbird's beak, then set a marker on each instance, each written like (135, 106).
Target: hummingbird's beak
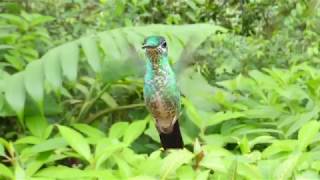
(144, 46)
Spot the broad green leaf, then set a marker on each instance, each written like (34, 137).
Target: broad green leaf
(280, 146)
(142, 177)
(249, 171)
(69, 57)
(109, 100)
(308, 175)
(193, 113)
(90, 49)
(105, 148)
(233, 169)
(186, 172)
(5, 171)
(37, 125)
(268, 167)
(219, 117)
(262, 140)
(214, 160)
(89, 130)
(28, 140)
(151, 165)
(33, 80)
(118, 129)
(303, 119)
(134, 130)
(200, 94)
(76, 141)
(214, 139)
(2, 150)
(125, 170)
(63, 172)
(16, 95)
(19, 172)
(316, 165)
(152, 131)
(173, 161)
(52, 69)
(48, 145)
(202, 175)
(285, 169)
(307, 134)
(37, 163)
(244, 145)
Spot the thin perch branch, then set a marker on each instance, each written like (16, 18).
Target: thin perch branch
(106, 111)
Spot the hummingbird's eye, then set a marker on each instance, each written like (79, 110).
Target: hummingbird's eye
(164, 45)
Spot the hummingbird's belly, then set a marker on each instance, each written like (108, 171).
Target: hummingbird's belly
(164, 111)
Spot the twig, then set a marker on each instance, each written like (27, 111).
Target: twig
(106, 111)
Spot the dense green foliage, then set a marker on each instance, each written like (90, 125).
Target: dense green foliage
(71, 104)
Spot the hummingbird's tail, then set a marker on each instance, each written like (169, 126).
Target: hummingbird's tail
(173, 139)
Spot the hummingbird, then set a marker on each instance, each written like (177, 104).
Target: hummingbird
(161, 93)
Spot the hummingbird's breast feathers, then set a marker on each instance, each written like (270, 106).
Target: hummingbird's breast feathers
(153, 54)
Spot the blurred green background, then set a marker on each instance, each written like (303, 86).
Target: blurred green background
(71, 80)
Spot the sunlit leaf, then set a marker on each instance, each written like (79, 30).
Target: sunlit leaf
(76, 141)
(134, 130)
(173, 161)
(118, 129)
(307, 133)
(15, 94)
(52, 69)
(285, 169)
(89, 130)
(5, 171)
(69, 58)
(90, 49)
(34, 78)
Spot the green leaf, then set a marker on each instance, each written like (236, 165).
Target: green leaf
(215, 160)
(193, 113)
(302, 119)
(249, 171)
(186, 172)
(76, 141)
(285, 170)
(28, 140)
(134, 130)
(105, 148)
(37, 125)
(89, 130)
(48, 145)
(69, 58)
(90, 49)
(118, 129)
(232, 172)
(19, 173)
(173, 161)
(15, 94)
(5, 171)
(307, 134)
(52, 70)
(203, 175)
(279, 146)
(2, 150)
(34, 82)
(222, 116)
(244, 145)
(62, 172)
(37, 163)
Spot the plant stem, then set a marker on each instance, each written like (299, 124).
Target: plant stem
(106, 111)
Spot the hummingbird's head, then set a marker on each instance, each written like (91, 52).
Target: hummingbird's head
(155, 46)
